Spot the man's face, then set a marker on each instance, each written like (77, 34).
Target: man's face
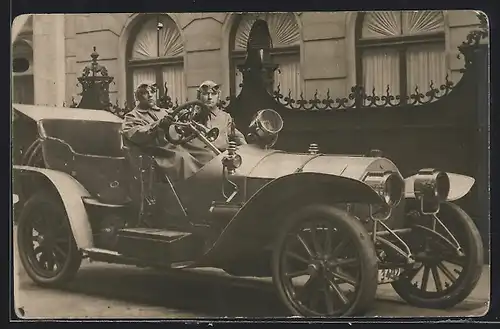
(147, 97)
(210, 97)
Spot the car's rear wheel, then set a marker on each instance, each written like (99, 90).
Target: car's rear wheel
(443, 278)
(324, 263)
(45, 241)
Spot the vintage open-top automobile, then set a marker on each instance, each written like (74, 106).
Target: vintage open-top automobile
(327, 228)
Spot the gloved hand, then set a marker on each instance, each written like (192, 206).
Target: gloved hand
(166, 121)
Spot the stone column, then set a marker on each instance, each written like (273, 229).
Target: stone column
(49, 59)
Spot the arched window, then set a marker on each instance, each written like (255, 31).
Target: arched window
(155, 55)
(285, 36)
(22, 67)
(400, 49)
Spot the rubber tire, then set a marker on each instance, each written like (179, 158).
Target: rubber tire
(369, 264)
(474, 267)
(74, 260)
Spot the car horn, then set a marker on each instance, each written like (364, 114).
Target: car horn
(191, 127)
(210, 134)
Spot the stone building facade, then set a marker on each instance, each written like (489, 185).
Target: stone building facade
(316, 51)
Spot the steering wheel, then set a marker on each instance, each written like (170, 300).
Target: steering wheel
(183, 120)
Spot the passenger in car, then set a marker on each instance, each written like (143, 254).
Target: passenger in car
(143, 127)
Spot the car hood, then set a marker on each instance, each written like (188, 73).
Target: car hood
(271, 164)
(260, 166)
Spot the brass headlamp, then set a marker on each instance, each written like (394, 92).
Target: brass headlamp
(431, 187)
(389, 185)
(264, 128)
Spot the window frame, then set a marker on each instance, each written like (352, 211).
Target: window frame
(23, 82)
(237, 55)
(399, 43)
(157, 64)
(22, 48)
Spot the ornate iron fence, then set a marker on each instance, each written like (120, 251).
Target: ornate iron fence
(359, 98)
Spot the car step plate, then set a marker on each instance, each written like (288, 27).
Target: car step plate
(388, 275)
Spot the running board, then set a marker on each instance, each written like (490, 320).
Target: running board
(113, 257)
(108, 256)
(182, 265)
(159, 245)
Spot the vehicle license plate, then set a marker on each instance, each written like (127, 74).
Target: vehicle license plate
(387, 275)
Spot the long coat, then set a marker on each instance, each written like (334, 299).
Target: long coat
(177, 161)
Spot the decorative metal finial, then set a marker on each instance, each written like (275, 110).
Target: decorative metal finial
(95, 83)
(94, 55)
(313, 148)
(231, 150)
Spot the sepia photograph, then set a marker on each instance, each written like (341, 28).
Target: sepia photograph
(220, 165)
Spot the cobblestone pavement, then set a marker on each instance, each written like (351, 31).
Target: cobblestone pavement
(116, 291)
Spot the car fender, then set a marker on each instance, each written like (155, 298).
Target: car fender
(70, 192)
(460, 185)
(250, 229)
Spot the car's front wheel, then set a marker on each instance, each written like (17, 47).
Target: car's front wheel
(324, 263)
(45, 241)
(444, 277)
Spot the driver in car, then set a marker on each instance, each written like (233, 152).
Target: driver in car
(143, 127)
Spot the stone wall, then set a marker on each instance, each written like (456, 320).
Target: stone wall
(48, 55)
(327, 48)
(83, 32)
